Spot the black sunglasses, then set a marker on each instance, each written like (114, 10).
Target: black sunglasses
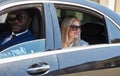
(75, 27)
(12, 17)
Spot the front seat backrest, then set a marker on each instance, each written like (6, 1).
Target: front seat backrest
(93, 33)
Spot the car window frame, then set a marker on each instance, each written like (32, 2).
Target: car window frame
(45, 17)
(56, 28)
(111, 25)
(83, 9)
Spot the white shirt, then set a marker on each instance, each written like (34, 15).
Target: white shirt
(10, 37)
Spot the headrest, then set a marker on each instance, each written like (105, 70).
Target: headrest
(92, 28)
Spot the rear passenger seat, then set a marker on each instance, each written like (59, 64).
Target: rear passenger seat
(4, 27)
(93, 33)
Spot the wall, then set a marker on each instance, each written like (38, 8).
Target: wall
(112, 4)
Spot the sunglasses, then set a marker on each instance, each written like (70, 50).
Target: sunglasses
(13, 17)
(75, 27)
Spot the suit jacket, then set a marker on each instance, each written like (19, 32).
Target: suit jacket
(18, 39)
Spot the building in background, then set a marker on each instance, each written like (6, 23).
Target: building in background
(112, 4)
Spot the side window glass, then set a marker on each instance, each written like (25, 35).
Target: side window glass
(113, 32)
(92, 27)
(27, 28)
(24, 48)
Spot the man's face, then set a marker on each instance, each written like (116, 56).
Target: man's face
(18, 21)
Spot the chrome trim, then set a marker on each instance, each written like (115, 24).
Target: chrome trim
(54, 52)
(44, 68)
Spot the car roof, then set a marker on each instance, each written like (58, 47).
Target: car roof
(89, 3)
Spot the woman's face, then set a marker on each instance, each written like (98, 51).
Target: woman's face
(74, 30)
(18, 21)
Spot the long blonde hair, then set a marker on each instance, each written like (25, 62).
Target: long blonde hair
(65, 25)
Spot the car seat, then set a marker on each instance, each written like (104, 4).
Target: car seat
(36, 26)
(93, 33)
(4, 28)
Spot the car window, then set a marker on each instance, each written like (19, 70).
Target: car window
(93, 27)
(3, 18)
(114, 32)
(24, 48)
(23, 44)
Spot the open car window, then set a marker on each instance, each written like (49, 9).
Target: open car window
(36, 27)
(93, 24)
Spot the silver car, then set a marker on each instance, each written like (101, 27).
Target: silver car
(45, 55)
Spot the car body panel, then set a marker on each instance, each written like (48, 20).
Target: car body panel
(56, 29)
(49, 28)
(11, 66)
(103, 72)
(86, 59)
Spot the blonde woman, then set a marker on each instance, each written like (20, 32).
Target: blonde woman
(70, 32)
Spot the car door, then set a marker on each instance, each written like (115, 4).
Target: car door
(101, 56)
(32, 57)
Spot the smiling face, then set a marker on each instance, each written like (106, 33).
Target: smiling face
(74, 30)
(18, 21)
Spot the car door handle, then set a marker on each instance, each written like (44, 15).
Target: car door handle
(38, 69)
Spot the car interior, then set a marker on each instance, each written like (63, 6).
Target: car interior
(36, 26)
(93, 33)
(92, 25)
